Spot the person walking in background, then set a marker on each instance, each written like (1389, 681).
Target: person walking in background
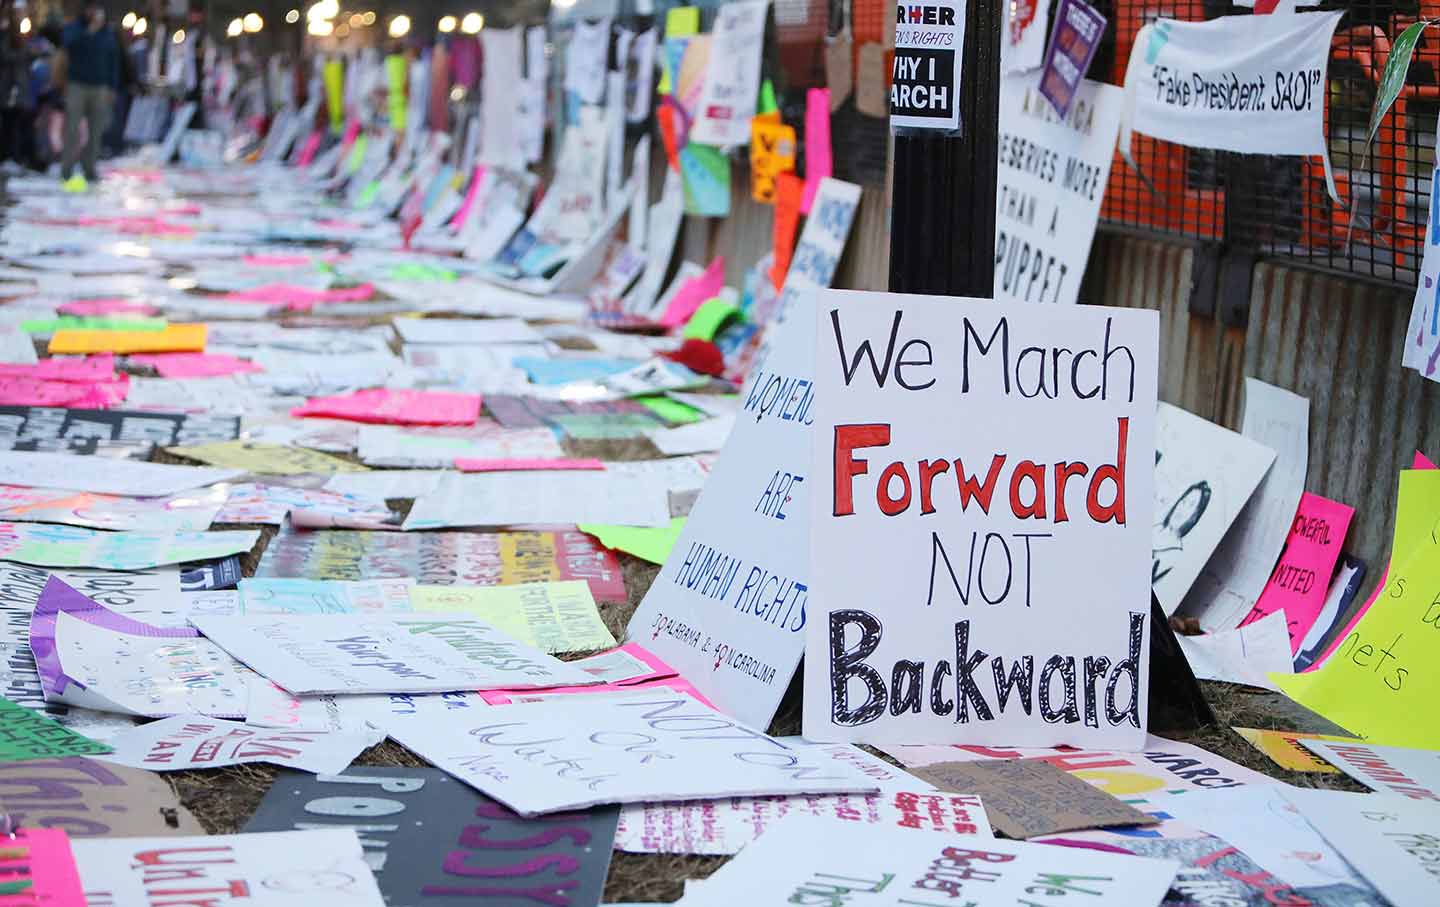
(17, 103)
(92, 54)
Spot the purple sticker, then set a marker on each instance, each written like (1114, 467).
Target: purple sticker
(1077, 33)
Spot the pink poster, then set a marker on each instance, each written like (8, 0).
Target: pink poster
(1302, 577)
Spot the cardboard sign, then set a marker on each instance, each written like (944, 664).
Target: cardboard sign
(1389, 840)
(30, 735)
(1078, 30)
(265, 459)
(276, 869)
(1300, 581)
(89, 799)
(429, 839)
(1384, 769)
(805, 860)
(952, 555)
(728, 607)
(553, 617)
(925, 88)
(355, 653)
(1252, 84)
(69, 546)
(190, 741)
(1052, 176)
(1285, 749)
(446, 558)
(732, 75)
(659, 746)
(1027, 798)
(1204, 474)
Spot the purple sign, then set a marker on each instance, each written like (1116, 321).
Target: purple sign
(1078, 29)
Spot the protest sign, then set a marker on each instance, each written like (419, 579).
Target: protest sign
(39, 868)
(322, 596)
(1246, 654)
(68, 546)
(1344, 589)
(89, 799)
(92, 657)
(1286, 750)
(357, 653)
(467, 330)
(1204, 474)
(925, 88)
(553, 617)
(1252, 84)
(105, 475)
(191, 741)
(1052, 176)
(1235, 575)
(1422, 334)
(1301, 578)
(728, 607)
(727, 826)
(658, 746)
(883, 866)
(275, 869)
(172, 338)
(430, 839)
(1026, 798)
(1389, 840)
(912, 610)
(192, 511)
(1078, 30)
(396, 407)
(1385, 671)
(30, 735)
(265, 459)
(518, 498)
(1384, 769)
(446, 558)
(732, 75)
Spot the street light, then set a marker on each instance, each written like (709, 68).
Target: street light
(323, 9)
(253, 23)
(321, 28)
(292, 17)
(447, 24)
(178, 37)
(234, 29)
(128, 22)
(25, 26)
(399, 26)
(472, 23)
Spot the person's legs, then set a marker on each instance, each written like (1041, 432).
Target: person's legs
(74, 112)
(99, 106)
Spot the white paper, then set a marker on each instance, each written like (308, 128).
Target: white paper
(817, 860)
(697, 437)
(1204, 474)
(1045, 213)
(1244, 655)
(192, 741)
(266, 869)
(466, 330)
(913, 574)
(499, 98)
(47, 545)
(1384, 769)
(103, 475)
(732, 76)
(385, 484)
(17, 347)
(510, 498)
(1237, 572)
(602, 749)
(389, 445)
(357, 653)
(1391, 841)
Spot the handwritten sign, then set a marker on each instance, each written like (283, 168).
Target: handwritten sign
(70, 546)
(45, 428)
(1384, 769)
(1301, 579)
(30, 735)
(355, 653)
(1285, 749)
(429, 839)
(266, 459)
(732, 75)
(553, 617)
(659, 746)
(925, 87)
(1052, 176)
(1389, 840)
(957, 558)
(89, 799)
(190, 741)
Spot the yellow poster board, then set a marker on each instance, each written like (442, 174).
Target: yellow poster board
(553, 617)
(173, 338)
(1284, 749)
(267, 459)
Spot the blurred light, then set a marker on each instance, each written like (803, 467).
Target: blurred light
(25, 26)
(320, 28)
(323, 9)
(399, 26)
(342, 31)
(356, 20)
(141, 24)
(562, 4)
(369, 17)
(178, 37)
(457, 93)
(447, 24)
(234, 28)
(128, 21)
(292, 16)
(472, 23)
(253, 22)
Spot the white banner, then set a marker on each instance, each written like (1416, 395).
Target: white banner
(1052, 176)
(732, 78)
(1252, 84)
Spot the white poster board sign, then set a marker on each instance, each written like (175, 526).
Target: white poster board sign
(1252, 84)
(732, 77)
(660, 745)
(1052, 177)
(728, 608)
(981, 503)
(1387, 839)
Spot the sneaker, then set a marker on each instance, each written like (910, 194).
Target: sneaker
(76, 183)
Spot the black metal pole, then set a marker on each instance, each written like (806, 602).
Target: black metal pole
(942, 213)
